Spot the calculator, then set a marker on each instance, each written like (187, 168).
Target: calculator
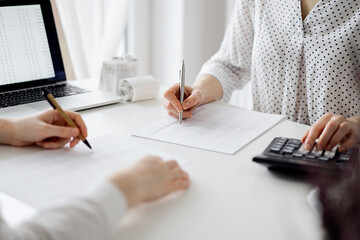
(289, 154)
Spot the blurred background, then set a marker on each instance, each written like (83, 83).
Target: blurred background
(160, 33)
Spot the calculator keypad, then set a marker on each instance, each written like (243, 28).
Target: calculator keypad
(294, 149)
(290, 154)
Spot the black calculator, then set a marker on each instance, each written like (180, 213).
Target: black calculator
(289, 154)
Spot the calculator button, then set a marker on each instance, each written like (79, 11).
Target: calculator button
(303, 150)
(275, 149)
(298, 155)
(348, 152)
(325, 159)
(278, 145)
(331, 154)
(288, 150)
(292, 145)
(311, 156)
(344, 158)
(317, 152)
(295, 142)
(289, 147)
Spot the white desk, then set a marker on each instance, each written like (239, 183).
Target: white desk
(230, 196)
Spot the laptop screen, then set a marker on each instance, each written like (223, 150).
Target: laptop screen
(29, 49)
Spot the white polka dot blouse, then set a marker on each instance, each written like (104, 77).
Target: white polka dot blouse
(300, 69)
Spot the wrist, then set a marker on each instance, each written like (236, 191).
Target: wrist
(7, 131)
(209, 88)
(126, 183)
(357, 119)
(355, 127)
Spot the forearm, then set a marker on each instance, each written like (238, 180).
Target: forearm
(209, 87)
(90, 218)
(7, 131)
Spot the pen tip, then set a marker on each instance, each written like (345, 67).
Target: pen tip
(87, 144)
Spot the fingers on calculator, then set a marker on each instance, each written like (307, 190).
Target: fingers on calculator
(289, 152)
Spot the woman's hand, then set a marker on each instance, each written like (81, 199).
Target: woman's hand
(332, 130)
(149, 179)
(47, 130)
(205, 89)
(192, 98)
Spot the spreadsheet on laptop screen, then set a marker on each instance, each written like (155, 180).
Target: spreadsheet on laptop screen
(24, 47)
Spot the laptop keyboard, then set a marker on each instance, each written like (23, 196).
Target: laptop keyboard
(9, 99)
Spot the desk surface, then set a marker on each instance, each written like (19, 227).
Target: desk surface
(230, 196)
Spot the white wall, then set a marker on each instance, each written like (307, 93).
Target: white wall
(204, 27)
(167, 40)
(164, 32)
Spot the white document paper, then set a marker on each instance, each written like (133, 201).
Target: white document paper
(48, 176)
(213, 127)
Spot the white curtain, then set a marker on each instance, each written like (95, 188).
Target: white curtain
(180, 29)
(93, 31)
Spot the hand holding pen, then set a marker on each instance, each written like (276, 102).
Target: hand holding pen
(47, 130)
(51, 100)
(180, 100)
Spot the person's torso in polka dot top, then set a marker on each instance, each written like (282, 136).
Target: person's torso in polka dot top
(300, 69)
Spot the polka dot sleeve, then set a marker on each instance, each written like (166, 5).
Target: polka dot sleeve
(231, 65)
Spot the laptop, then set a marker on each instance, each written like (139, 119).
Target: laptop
(30, 60)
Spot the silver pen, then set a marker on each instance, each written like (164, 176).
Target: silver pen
(182, 86)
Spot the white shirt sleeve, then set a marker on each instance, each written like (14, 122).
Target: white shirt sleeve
(231, 65)
(93, 216)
